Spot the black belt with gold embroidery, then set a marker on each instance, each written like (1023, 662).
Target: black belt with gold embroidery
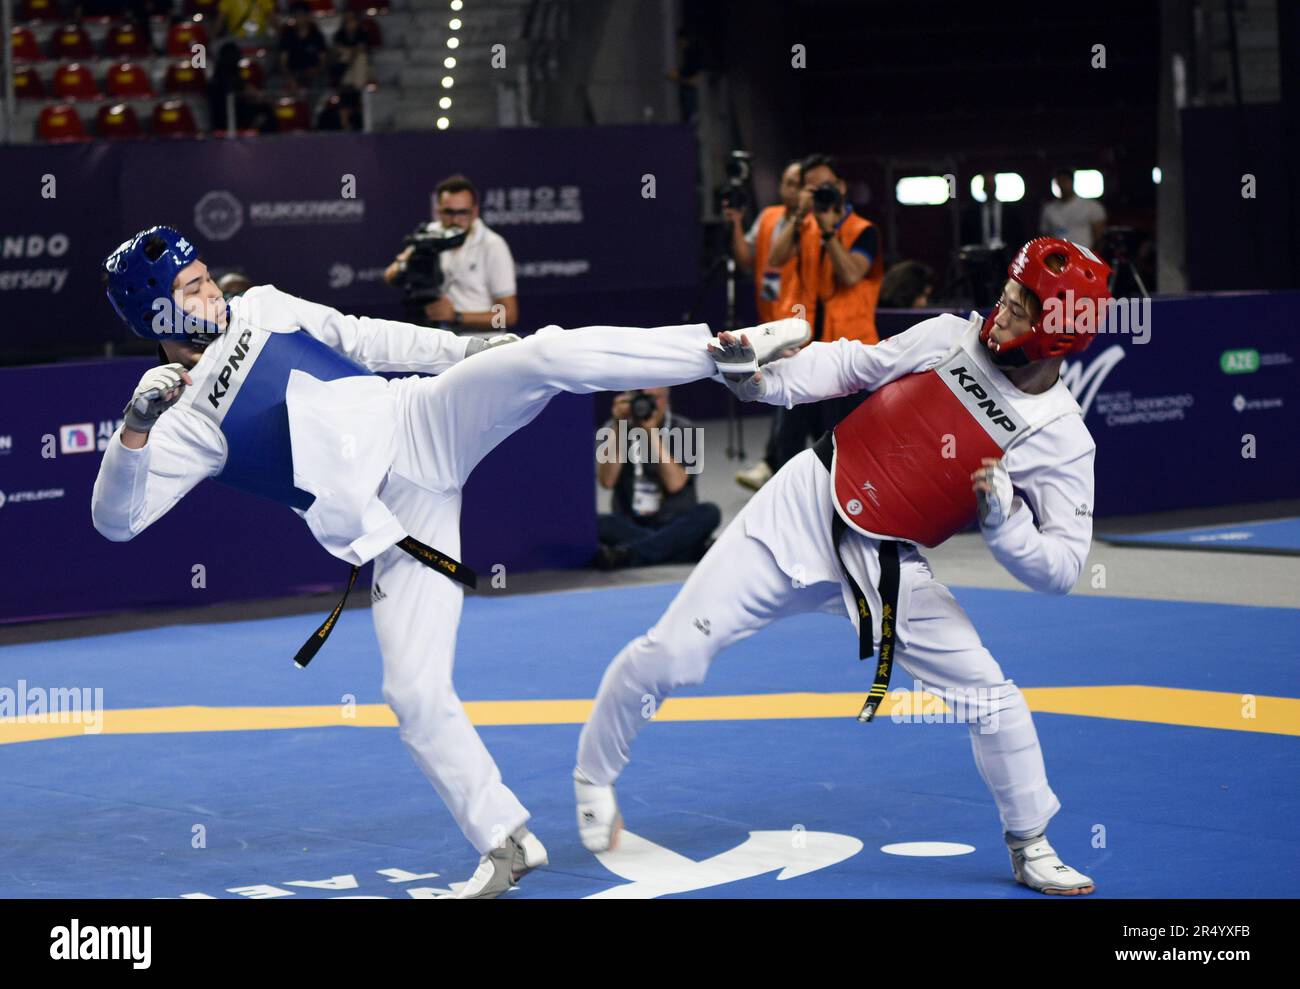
(889, 577)
(430, 557)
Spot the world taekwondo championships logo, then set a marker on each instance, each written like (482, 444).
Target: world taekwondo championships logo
(218, 215)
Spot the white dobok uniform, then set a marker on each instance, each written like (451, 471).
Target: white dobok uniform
(383, 459)
(777, 559)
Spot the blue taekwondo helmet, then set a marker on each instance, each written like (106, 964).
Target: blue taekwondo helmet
(139, 277)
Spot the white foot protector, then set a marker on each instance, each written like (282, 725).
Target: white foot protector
(767, 341)
(599, 821)
(1035, 863)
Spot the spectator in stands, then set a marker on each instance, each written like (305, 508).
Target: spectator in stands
(907, 285)
(342, 112)
(479, 276)
(252, 112)
(1079, 220)
(247, 18)
(303, 49)
(350, 56)
(657, 516)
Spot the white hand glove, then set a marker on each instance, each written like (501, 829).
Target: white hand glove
(993, 493)
(159, 389)
(737, 350)
(477, 345)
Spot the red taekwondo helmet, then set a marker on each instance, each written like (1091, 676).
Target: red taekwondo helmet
(1071, 283)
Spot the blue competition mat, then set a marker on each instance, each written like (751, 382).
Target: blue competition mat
(1153, 806)
(1281, 536)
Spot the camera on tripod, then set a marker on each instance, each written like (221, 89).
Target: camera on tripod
(734, 193)
(420, 281)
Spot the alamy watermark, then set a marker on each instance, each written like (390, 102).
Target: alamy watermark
(26, 705)
(951, 705)
(1085, 315)
(623, 444)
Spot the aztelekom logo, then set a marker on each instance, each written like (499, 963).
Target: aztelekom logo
(77, 438)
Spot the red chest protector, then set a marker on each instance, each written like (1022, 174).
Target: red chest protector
(904, 457)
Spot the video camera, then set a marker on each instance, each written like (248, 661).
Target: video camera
(421, 280)
(734, 193)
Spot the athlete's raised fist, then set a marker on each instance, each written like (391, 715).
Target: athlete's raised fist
(158, 390)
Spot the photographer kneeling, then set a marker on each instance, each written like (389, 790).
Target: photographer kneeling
(649, 458)
(455, 271)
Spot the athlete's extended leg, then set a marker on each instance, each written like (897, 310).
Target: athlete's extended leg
(482, 400)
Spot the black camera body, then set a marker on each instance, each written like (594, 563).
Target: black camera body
(733, 194)
(827, 196)
(421, 280)
(642, 406)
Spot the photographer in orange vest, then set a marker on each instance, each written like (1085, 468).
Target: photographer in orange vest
(752, 251)
(835, 286)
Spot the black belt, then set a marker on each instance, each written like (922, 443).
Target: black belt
(430, 557)
(824, 449)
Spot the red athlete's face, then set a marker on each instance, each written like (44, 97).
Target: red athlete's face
(1016, 314)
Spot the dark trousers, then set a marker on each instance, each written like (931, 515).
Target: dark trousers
(793, 428)
(680, 539)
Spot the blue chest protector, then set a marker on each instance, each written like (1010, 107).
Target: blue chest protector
(259, 457)
(259, 448)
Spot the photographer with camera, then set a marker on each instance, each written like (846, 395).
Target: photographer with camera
(656, 517)
(753, 248)
(454, 271)
(752, 251)
(835, 285)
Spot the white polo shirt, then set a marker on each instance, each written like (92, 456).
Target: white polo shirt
(480, 271)
(1072, 220)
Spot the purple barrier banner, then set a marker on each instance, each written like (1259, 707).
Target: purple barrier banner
(1196, 405)
(606, 210)
(218, 544)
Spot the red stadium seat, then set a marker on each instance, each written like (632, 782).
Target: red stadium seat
(366, 8)
(125, 40)
(251, 71)
(128, 80)
(59, 122)
(183, 35)
(75, 82)
(71, 41)
(174, 118)
(39, 10)
(322, 6)
(117, 121)
(28, 84)
(26, 47)
(291, 115)
(182, 77)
